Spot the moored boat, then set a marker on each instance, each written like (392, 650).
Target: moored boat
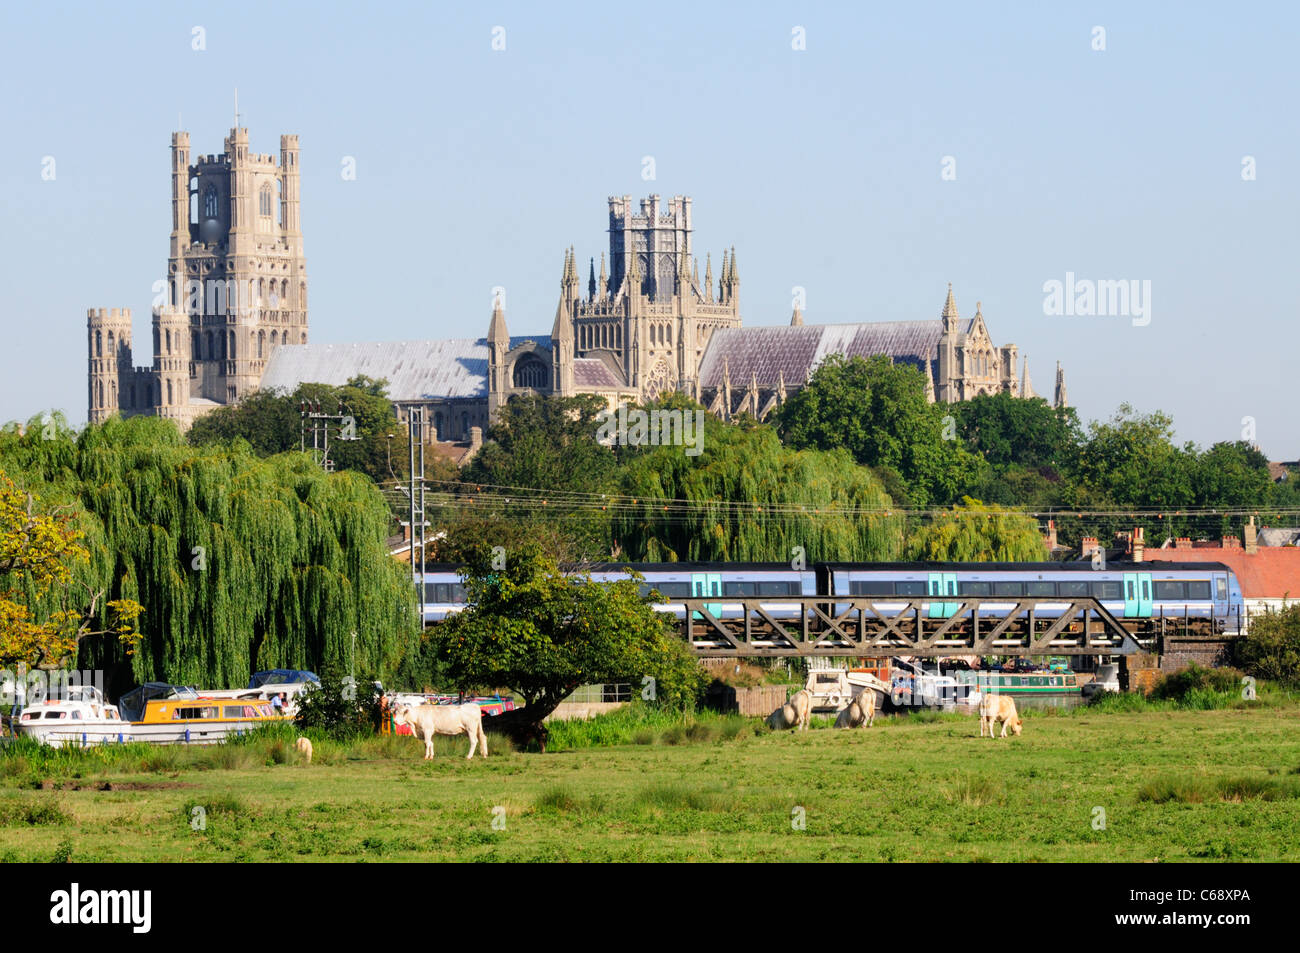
(81, 717)
(174, 714)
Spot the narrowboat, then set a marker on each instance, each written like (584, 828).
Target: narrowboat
(174, 714)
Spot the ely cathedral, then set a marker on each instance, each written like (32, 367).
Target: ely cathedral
(647, 321)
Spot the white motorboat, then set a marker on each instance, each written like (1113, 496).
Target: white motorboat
(79, 717)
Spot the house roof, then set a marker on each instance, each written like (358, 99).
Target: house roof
(415, 370)
(1270, 573)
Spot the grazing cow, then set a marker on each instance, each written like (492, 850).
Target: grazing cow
(861, 711)
(998, 708)
(429, 720)
(793, 714)
(304, 748)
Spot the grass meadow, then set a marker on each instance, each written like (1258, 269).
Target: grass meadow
(1120, 782)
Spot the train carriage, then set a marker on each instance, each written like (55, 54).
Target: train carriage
(1147, 598)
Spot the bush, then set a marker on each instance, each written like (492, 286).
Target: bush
(340, 707)
(1196, 682)
(1271, 650)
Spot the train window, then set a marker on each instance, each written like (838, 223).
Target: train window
(457, 593)
(871, 587)
(1199, 590)
(1073, 587)
(1040, 588)
(1008, 588)
(429, 592)
(1220, 588)
(1171, 591)
(778, 588)
(975, 588)
(739, 589)
(909, 588)
(676, 590)
(1106, 590)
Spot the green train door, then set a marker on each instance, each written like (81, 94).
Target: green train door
(1137, 595)
(941, 584)
(707, 584)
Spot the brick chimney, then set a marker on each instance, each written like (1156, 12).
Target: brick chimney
(1231, 542)
(1252, 537)
(1183, 542)
(1089, 546)
(1139, 545)
(1050, 538)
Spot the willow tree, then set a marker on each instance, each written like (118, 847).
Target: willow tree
(746, 497)
(240, 562)
(974, 532)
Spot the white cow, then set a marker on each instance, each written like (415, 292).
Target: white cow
(304, 748)
(429, 720)
(996, 708)
(793, 714)
(861, 711)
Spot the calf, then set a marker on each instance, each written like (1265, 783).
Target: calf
(304, 748)
(861, 711)
(998, 708)
(429, 720)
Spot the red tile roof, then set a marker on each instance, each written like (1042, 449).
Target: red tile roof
(1270, 573)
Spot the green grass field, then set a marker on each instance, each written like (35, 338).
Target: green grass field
(1173, 785)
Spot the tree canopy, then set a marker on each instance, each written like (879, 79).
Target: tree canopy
(542, 633)
(240, 562)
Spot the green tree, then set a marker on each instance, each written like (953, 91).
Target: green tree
(1271, 649)
(240, 562)
(973, 532)
(1009, 430)
(546, 444)
(271, 422)
(747, 497)
(542, 633)
(878, 412)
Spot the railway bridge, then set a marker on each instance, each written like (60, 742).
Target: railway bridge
(852, 626)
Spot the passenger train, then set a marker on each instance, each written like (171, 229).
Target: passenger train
(1202, 598)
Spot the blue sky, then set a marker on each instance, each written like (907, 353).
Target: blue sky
(477, 168)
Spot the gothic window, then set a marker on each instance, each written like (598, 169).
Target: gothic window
(169, 341)
(261, 342)
(530, 372)
(170, 395)
(99, 393)
(210, 202)
(232, 345)
(111, 349)
(112, 390)
(657, 382)
(272, 339)
(668, 334)
(210, 352)
(264, 201)
(99, 344)
(302, 337)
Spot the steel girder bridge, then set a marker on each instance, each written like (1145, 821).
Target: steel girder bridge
(773, 627)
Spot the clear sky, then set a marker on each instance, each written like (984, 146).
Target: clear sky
(823, 166)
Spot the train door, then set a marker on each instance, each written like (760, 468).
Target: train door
(941, 584)
(1144, 595)
(1130, 595)
(707, 584)
(1137, 595)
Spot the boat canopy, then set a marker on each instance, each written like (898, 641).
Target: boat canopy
(282, 676)
(132, 703)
